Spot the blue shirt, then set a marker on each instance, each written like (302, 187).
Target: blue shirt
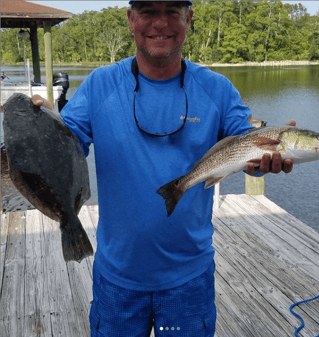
(138, 246)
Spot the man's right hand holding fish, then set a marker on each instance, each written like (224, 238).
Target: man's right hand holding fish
(272, 164)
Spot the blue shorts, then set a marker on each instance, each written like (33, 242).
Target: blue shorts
(185, 311)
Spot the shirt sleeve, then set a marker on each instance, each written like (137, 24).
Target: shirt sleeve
(235, 115)
(236, 118)
(76, 115)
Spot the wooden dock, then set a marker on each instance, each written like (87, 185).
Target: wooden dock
(265, 260)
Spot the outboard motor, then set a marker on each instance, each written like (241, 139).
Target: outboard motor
(63, 80)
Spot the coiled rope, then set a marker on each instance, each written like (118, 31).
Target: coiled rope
(300, 318)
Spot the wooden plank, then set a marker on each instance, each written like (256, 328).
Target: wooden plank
(62, 312)
(285, 221)
(94, 214)
(238, 225)
(290, 282)
(37, 309)
(229, 323)
(223, 328)
(263, 286)
(243, 318)
(291, 250)
(254, 249)
(250, 286)
(306, 257)
(87, 217)
(307, 235)
(80, 277)
(3, 245)
(256, 278)
(13, 287)
(81, 290)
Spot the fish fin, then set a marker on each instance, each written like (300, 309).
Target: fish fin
(265, 143)
(215, 148)
(75, 243)
(171, 193)
(212, 181)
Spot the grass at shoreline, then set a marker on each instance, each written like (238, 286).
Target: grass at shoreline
(242, 64)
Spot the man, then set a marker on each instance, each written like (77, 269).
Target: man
(150, 119)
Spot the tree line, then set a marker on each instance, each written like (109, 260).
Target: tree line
(226, 31)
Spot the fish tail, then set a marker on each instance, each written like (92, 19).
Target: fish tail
(172, 193)
(75, 243)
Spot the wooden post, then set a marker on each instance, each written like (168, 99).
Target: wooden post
(216, 196)
(35, 52)
(255, 186)
(48, 60)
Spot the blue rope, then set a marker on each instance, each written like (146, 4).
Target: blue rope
(301, 319)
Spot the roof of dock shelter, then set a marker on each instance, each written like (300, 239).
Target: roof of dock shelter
(20, 14)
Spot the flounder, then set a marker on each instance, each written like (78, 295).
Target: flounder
(48, 167)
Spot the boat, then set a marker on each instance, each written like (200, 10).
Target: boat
(21, 81)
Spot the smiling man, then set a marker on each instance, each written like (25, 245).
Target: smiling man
(151, 117)
(160, 30)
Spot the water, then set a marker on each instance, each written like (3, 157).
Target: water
(277, 94)
(274, 94)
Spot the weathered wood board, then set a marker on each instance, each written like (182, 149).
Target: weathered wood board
(265, 260)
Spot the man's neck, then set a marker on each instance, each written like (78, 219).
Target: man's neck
(159, 69)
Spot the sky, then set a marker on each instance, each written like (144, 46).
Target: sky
(77, 7)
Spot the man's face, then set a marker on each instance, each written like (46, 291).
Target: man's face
(159, 28)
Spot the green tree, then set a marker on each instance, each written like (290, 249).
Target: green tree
(113, 41)
(234, 47)
(269, 26)
(13, 46)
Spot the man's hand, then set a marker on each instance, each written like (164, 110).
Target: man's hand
(272, 164)
(38, 101)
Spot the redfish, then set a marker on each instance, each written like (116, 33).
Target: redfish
(232, 154)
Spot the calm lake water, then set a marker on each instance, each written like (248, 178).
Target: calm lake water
(274, 94)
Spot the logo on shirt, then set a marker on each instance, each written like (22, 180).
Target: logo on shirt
(191, 119)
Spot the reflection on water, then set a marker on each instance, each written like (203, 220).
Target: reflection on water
(274, 94)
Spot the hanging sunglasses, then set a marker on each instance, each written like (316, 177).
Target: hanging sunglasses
(135, 72)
